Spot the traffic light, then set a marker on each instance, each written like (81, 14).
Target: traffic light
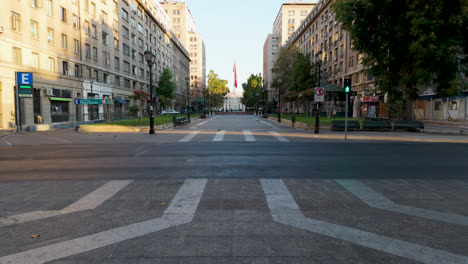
(347, 85)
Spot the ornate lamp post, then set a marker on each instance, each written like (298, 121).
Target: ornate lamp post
(187, 81)
(318, 59)
(280, 81)
(150, 59)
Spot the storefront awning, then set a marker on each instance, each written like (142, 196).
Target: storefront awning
(122, 101)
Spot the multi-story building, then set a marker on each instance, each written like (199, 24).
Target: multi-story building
(320, 33)
(270, 55)
(289, 18)
(82, 49)
(183, 25)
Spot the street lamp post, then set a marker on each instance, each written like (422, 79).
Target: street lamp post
(204, 101)
(187, 81)
(256, 103)
(150, 59)
(280, 81)
(317, 117)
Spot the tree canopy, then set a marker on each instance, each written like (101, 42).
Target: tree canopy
(301, 72)
(406, 43)
(217, 88)
(251, 89)
(166, 87)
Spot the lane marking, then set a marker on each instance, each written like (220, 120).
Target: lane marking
(8, 143)
(248, 136)
(88, 202)
(61, 140)
(201, 124)
(270, 125)
(189, 137)
(279, 137)
(180, 211)
(219, 136)
(285, 210)
(376, 200)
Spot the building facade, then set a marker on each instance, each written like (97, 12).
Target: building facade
(320, 33)
(82, 49)
(232, 102)
(183, 25)
(289, 18)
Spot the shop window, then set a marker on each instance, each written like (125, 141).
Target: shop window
(437, 106)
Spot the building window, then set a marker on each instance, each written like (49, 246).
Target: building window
(34, 31)
(93, 9)
(140, 28)
(63, 14)
(34, 3)
(76, 46)
(126, 49)
(104, 17)
(51, 64)
(94, 31)
(453, 105)
(86, 27)
(88, 50)
(127, 83)
(116, 62)
(124, 15)
(116, 43)
(115, 24)
(132, 22)
(50, 36)
(15, 22)
(117, 81)
(17, 56)
(64, 41)
(65, 68)
(116, 7)
(95, 52)
(77, 71)
(140, 43)
(49, 7)
(106, 59)
(35, 60)
(105, 38)
(437, 106)
(76, 22)
(125, 32)
(86, 5)
(105, 78)
(126, 67)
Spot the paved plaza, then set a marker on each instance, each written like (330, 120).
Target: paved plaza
(232, 189)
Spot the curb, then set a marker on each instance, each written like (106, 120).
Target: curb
(120, 129)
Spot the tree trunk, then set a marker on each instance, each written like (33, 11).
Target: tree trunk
(409, 103)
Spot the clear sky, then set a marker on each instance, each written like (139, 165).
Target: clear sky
(234, 29)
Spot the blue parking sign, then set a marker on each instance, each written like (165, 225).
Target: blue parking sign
(25, 78)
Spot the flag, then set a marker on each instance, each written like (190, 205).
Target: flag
(235, 75)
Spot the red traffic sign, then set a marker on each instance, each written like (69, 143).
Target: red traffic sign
(319, 94)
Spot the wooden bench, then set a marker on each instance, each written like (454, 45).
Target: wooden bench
(383, 125)
(340, 125)
(411, 125)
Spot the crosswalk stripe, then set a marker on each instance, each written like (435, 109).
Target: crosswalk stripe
(189, 137)
(376, 200)
(201, 124)
(248, 136)
(88, 202)
(180, 211)
(285, 210)
(219, 136)
(279, 137)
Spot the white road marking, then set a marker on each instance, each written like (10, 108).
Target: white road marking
(285, 210)
(279, 137)
(180, 211)
(248, 136)
(61, 140)
(189, 137)
(88, 202)
(268, 124)
(8, 143)
(376, 200)
(200, 124)
(219, 136)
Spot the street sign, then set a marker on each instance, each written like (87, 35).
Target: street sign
(25, 82)
(319, 94)
(92, 101)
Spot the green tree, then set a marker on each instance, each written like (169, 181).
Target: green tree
(140, 97)
(251, 89)
(406, 43)
(217, 89)
(282, 69)
(302, 73)
(165, 89)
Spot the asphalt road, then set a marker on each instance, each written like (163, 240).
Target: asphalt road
(233, 189)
